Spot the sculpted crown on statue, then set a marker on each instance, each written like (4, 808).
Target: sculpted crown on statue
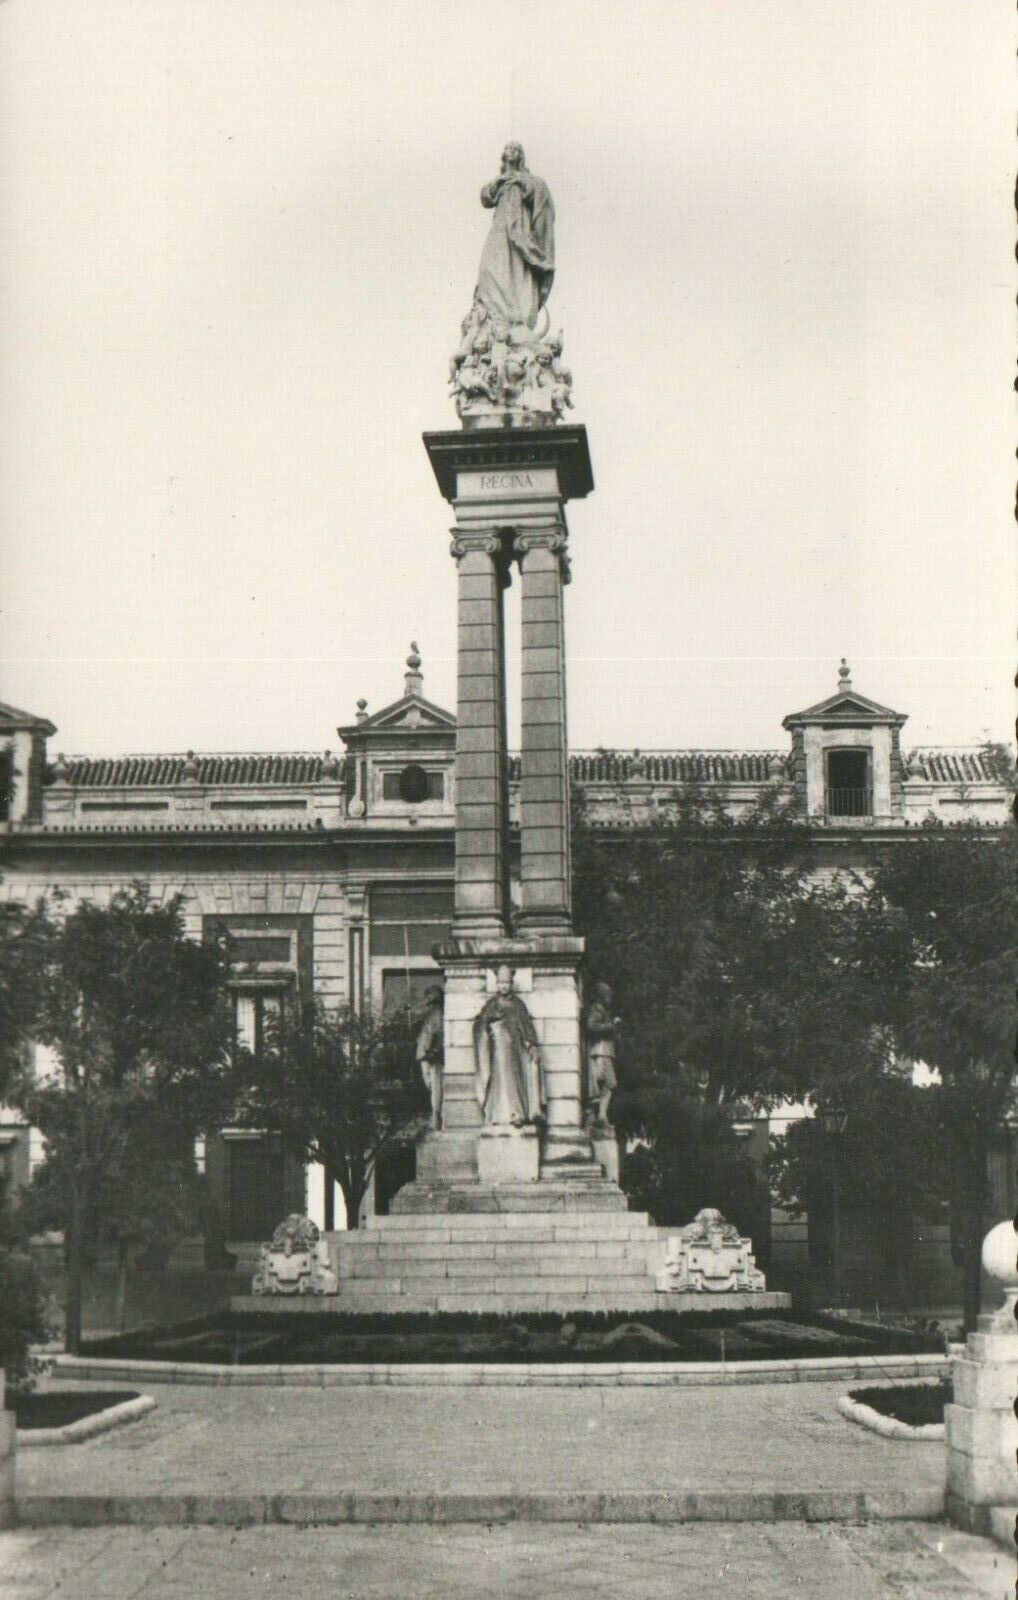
(518, 259)
(510, 1088)
(507, 370)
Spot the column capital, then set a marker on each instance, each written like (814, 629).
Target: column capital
(553, 538)
(483, 543)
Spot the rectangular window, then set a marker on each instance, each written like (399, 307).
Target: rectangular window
(254, 1012)
(849, 786)
(408, 921)
(394, 788)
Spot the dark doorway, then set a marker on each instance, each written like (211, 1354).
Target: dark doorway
(257, 1190)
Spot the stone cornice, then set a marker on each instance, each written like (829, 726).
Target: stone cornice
(564, 448)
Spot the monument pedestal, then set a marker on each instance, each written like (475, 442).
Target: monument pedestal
(508, 1155)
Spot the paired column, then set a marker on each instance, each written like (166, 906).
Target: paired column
(544, 781)
(482, 868)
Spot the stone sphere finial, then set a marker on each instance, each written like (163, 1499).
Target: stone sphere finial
(844, 675)
(362, 710)
(1000, 1262)
(413, 660)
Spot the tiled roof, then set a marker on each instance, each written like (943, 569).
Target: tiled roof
(140, 772)
(677, 766)
(940, 765)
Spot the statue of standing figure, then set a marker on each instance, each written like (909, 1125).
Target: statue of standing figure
(507, 363)
(507, 1055)
(518, 260)
(600, 1029)
(430, 1049)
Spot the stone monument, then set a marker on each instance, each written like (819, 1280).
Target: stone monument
(516, 1204)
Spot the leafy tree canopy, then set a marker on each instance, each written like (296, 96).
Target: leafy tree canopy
(137, 1021)
(337, 1086)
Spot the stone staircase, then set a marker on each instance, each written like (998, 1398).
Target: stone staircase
(564, 1244)
(542, 1248)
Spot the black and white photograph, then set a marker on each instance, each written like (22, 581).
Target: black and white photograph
(508, 893)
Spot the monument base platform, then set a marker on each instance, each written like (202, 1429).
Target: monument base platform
(338, 1304)
(566, 1246)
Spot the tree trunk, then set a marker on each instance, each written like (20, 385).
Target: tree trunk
(75, 1272)
(120, 1308)
(976, 1194)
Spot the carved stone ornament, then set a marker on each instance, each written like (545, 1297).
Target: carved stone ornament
(296, 1261)
(709, 1254)
(501, 370)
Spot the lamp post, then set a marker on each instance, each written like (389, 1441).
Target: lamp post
(835, 1120)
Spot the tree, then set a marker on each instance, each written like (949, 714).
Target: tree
(22, 939)
(944, 931)
(892, 1167)
(337, 1086)
(137, 1019)
(22, 1313)
(740, 975)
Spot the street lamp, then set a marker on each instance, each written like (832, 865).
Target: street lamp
(834, 1119)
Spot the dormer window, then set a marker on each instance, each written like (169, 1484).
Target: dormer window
(849, 785)
(846, 758)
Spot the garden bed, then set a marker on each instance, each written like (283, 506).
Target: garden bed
(910, 1411)
(244, 1339)
(70, 1416)
(58, 1408)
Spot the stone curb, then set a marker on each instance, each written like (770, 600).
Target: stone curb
(87, 1427)
(504, 1374)
(306, 1510)
(887, 1427)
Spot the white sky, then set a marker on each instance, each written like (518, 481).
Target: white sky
(236, 241)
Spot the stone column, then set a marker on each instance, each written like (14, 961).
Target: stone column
(481, 890)
(544, 782)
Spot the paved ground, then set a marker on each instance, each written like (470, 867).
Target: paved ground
(785, 1438)
(909, 1561)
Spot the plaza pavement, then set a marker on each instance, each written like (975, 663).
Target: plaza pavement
(909, 1561)
(254, 1454)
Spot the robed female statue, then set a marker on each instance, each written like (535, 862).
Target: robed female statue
(518, 259)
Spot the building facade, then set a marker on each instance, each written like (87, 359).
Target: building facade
(332, 872)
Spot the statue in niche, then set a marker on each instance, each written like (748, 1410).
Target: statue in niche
(518, 259)
(600, 1028)
(430, 1050)
(507, 1056)
(507, 363)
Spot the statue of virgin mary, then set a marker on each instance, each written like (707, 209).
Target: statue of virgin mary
(518, 259)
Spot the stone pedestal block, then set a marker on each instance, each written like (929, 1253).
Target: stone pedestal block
(981, 1429)
(508, 1155)
(605, 1142)
(447, 1157)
